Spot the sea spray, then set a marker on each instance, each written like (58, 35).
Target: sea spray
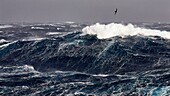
(113, 29)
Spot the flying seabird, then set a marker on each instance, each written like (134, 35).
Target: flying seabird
(116, 11)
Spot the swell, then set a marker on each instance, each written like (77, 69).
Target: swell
(24, 80)
(89, 54)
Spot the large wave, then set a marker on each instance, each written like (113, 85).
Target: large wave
(113, 29)
(59, 60)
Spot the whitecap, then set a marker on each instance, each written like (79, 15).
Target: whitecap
(54, 33)
(69, 22)
(3, 41)
(37, 28)
(5, 26)
(114, 29)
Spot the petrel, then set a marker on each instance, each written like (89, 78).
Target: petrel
(116, 11)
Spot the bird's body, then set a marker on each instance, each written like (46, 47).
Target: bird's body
(116, 11)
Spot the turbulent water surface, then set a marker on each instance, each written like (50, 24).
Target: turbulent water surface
(78, 59)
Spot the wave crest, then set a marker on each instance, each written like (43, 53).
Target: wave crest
(113, 29)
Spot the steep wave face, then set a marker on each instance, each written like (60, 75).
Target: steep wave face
(113, 59)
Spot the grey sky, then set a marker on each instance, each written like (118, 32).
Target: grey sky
(84, 10)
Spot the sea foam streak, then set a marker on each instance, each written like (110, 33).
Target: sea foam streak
(113, 29)
(5, 26)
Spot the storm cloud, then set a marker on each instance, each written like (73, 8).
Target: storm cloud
(84, 10)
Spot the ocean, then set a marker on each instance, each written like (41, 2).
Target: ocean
(73, 59)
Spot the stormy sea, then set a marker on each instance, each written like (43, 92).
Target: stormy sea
(73, 59)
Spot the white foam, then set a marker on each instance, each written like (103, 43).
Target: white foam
(5, 45)
(102, 75)
(3, 41)
(5, 26)
(33, 39)
(74, 25)
(113, 29)
(37, 28)
(59, 28)
(46, 24)
(54, 33)
(69, 22)
(28, 67)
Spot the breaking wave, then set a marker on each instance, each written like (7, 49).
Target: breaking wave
(58, 60)
(5, 26)
(113, 29)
